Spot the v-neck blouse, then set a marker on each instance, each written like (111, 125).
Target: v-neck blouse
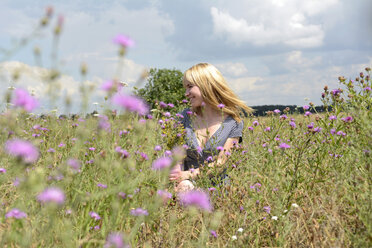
(196, 156)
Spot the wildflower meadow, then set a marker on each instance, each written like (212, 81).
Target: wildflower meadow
(296, 180)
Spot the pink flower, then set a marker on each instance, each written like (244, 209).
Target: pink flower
(15, 213)
(52, 194)
(221, 106)
(284, 146)
(139, 212)
(131, 103)
(23, 99)
(94, 215)
(161, 163)
(123, 40)
(111, 85)
(195, 198)
(115, 240)
(22, 149)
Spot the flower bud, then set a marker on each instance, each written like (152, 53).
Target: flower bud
(368, 69)
(323, 95)
(325, 88)
(361, 75)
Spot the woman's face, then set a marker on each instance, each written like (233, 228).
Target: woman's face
(194, 94)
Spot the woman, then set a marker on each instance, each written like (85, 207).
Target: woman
(212, 127)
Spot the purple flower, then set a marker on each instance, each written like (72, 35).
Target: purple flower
(284, 146)
(267, 129)
(53, 195)
(310, 126)
(306, 107)
(104, 123)
(138, 212)
(250, 128)
(277, 111)
(2, 170)
(74, 164)
(213, 233)
(94, 215)
(368, 89)
(221, 106)
(23, 99)
(267, 209)
(332, 117)
(161, 163)
(115, 240)
(122, 195)
(157, 148)
(144, 156)
(15, 213)
(283, 117)
(51, 150)
(123, 40)
(333, 131)
(167, 114)
(104, 186)
(164, 194)
(340, 133)
(255, 123)
(307, 113)
(347, 119)
(61, 145)
(317, 129)
(22, 149)
(124, 153)
(163, 104)
(292, 124)
(336, 92)
(111, 86)
(171, 105)
(220, 148)
(195, 198)
(131, 103)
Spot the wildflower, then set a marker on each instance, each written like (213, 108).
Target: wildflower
(292, 124)
(277, 111)
(333, 131)
(138, 212)
(368, 89)
(163, 104)
(336, 92)
(122, 195)
(274, 218)
(104, 186)
(255, 123)
(23, 99)
(347, 119)
(211, 189)
(221, 106)
(94, 215)
(15, 213)
(115, 240)
(250, 128)
(123, 40)
(284, 146)
(61, 145)
(184, 101)
(317, 129)
(283, 117)
(167, 114)
(74, 164)
(332, 117)
(92, 149)
(97, 227)
(310, 126)
(171, 105)
(213, 233)
(240, 230)
(157, 148)
(234, 237)
(104, 124)
(2, 170)
(306, 107)
(267, 129)
(195, 198)
(161, 163)
(294, 205)
(22, 149)
(307, 113)
(267, 209)
(144, 156)
(164, 194)
(51, 150)
(220, 148)
(53, 195)
(340, 133)
(111, 85)
(131, 103)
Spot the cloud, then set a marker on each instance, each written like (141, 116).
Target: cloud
(292, 28)
(232, 69)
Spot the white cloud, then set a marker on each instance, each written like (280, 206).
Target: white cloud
(246, 84)
(287, 22)
(232, 69)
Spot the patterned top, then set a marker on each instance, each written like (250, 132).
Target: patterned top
(229, 128)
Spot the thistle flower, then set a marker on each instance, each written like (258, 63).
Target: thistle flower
(195, 198)
(267, 209)
(123, 40)
(306, 107)
(23, 99)
(104, 186)
(161, 163)
(115, 240)
(292, 124)
(164, 194)
(2, 170)
(221, 106)
(332, 117)
(52, 195)
(15, 213)
(255, 123)
(157, 148)
(139, 212)
(213, 233)
(74, 164)
(163, 104)
(307, 113)
(347, 119)
(22, 149)
(94, 215)
(277, 111)
(284, 146)
(131, 103)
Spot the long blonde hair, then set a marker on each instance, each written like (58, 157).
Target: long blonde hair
(215, 90)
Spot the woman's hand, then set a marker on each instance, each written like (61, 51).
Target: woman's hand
(176, 174)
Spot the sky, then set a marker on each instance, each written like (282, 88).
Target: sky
(269, 51)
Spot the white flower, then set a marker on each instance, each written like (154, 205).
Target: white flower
(274, 218)
(240, 230)
(234, 237)
(285, 211)
(294, 205)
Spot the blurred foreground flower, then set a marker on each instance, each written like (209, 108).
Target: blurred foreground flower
(22, 149)
(115, 240)
(138, 212)
(52, 195)
(24, 100)
(15, 213)
(131, 103)
(123, 40)
(94, 215)
(195, 198)
(161, 163)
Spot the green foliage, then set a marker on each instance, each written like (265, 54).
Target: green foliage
(163, 85)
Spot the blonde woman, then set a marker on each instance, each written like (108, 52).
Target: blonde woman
(213, 124)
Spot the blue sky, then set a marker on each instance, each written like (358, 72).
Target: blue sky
(270, 51)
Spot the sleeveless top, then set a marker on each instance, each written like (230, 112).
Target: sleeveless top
(195, 156)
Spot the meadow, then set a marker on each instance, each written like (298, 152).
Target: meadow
(296, 180)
